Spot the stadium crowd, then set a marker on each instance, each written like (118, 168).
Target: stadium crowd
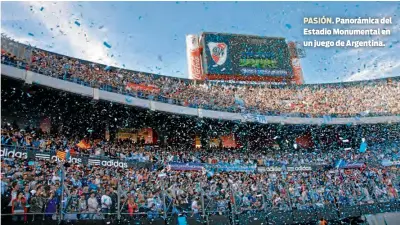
(34, 185)
(93, 190)
(341, 100)
(137, 150)
(42, 142)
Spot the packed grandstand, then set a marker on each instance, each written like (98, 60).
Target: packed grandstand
(253, 173)
(377, 97)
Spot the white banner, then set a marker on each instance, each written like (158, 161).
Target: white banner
(255, 118)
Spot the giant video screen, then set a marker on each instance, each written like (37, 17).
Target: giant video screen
(245, 55)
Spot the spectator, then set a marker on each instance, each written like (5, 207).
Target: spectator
(37, 205)
(106, 203)
(83, 207)
(93, 205)
(132, 206)
(19, 208)
(196, 208)
(51, 206)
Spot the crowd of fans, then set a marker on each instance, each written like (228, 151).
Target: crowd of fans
(94, 192)
(128, 149)
(45, 143)
(354, 99)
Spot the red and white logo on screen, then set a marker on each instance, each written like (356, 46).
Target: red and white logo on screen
(219, 52)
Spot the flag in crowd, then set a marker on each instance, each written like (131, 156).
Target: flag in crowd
(363, 145)
(61, 155)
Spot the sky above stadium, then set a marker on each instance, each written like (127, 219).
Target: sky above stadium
(150, 36)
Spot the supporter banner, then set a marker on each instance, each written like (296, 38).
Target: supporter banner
(185, 166)
(16, 153)
(390, 162)
(142, 87)
(349, 165)
(136, 158)
(225, 167)
(147, 134)
(219, 167)
(305, 141)
(229, 141)
(255, 118)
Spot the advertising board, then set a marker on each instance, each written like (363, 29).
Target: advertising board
(193, 52)
(20, 153)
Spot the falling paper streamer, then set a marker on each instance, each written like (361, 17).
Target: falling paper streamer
(30, 34)
(107, 68)
(41, 9)
(327, 119)
(77, 23)
(288, 26)
(128, 99)
(107, 45)
(340, 163)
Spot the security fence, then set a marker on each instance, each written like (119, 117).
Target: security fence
(70, 207)
(253, 217)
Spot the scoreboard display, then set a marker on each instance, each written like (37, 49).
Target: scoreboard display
(245, 55)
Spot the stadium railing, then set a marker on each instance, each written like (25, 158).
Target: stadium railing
(267, 215)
